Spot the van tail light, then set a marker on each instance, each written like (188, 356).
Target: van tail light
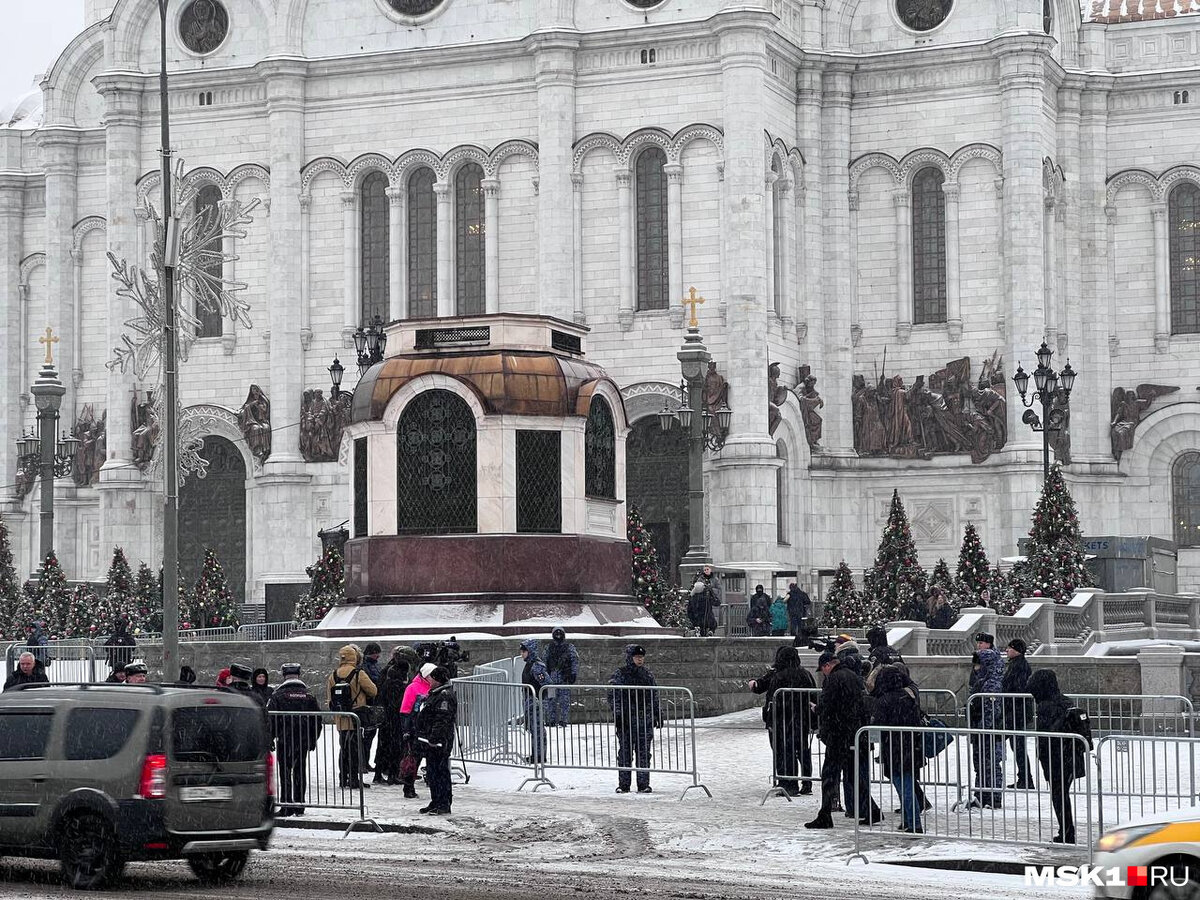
(153, 784)
(270, 774)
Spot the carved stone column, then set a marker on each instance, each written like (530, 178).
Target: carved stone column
(12, 188)
(787, 243)
(625, 240)
(769, 238)
(1162, 279)
(396, 234)
(577, 229)
(445, 251)
(350, 308)
(904, 285)
(674, 173)
(953, 300)
(554, 75)
(491, 244)
(1050, 254)
(306, 334)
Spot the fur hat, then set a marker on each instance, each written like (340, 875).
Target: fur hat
(984, 637)
(237, 672)
(372, 648)
(135, 668)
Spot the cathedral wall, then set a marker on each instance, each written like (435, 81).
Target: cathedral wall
(326, 284)
(606, 16)
(1147, 46)
(620, 103)
(518, 236)
(876, 27)
(248, 41)
(344, 27)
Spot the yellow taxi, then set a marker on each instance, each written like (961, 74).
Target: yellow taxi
(1157, 857)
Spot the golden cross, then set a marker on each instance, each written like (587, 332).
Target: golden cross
(692, 300)
(49, 340)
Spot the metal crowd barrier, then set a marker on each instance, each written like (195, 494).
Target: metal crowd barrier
(65, 663)
(1138, 775)
(265, 631)
(224, 633)
(498, 724)
(1109, 713)
(796, 754)
(623, 728)
(966, 766)
(314, 763)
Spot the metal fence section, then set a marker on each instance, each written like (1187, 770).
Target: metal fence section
(731, 619)
(629, 729)
(65, 662)
(224, 633)
(941, 704)
(318, 766)
(1109, 713)
(265, 631)
(1138, 775)
(499, 724)
(944, 784)
(796, 754)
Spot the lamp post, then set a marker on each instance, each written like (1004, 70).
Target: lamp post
(336, 371)
(369, 344)
(1053, 392)
(51, 457)
(704, 429)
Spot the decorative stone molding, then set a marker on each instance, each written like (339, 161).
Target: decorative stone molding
(197, 178)
(625, 149)
(902, 171)
(855, 334)
(397, 170)
(903, 331)
(1158, 186)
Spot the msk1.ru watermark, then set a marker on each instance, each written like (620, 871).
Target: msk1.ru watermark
(1105, 876)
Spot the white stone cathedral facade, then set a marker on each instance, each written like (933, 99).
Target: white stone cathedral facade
(861, 187)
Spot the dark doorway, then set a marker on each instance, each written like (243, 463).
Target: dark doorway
(656, 480)
(212, 513)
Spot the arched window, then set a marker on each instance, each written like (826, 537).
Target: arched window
(929, 247)
(1185, 490)
(468, 245)
(435, 466)
(1183, 216)
(422, 244)
(600, 451)
(781, 494)
(778, 237)
(373, 261)
(651, 204)
(209, 197)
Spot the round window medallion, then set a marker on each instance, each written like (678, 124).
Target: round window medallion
(923, 15)
(644, 4)
(203, 25)
(414, 7)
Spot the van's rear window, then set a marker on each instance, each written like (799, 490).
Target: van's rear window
(217, 734)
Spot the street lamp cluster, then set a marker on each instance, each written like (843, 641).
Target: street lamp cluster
(1053, 392)
(369, 346)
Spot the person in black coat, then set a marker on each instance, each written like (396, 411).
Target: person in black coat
(841, 711)
(120, 645)
(758, 614)
(295, 737)
(261, 685)
(636, 714)
(29, 670)
(1016, 710)
(1062, 759)
(902, 754)
(789, 719)
(391, 694)
(881, 652)
(799, 604)
(436, 724)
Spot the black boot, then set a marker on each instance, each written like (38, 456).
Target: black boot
(823, 820)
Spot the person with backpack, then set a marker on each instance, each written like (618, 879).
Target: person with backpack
(562, 665)
(788, 719)
(1016, 709)
(370, 665)
(535, 677)
(349, 689)
(1062, 759)
(901, 753)
(295, 737)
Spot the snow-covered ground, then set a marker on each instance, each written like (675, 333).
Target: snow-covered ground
(731, 839)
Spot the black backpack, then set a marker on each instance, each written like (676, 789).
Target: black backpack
(341, 695)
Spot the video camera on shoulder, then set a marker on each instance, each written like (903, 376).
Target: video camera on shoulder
(447, 654)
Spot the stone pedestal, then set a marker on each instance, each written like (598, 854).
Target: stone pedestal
(1162, 670)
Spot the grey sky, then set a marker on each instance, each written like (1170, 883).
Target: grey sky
(34, 33)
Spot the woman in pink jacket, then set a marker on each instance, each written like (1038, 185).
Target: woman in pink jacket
(413, 694)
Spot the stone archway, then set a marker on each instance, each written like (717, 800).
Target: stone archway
(656, 482)
(212, 513)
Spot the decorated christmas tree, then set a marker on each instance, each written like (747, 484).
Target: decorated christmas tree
(846, 607)
(650, 586)
(1053, 565)
(1003, 597)
(212, 604)
(84, 615)
(119, 597)
(146, 615)
(10, 589)
(45, 600)
(327, 586)
(895, 565)
(974, 570)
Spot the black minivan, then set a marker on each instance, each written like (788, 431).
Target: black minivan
(98, 775)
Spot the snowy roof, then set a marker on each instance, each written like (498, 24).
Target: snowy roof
(1112, 12)
(24, 112)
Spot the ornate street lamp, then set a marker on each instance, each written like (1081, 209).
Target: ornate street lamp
(335, 376)
(1052, 390)
(370, 343)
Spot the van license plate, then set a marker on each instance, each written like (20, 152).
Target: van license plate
(205, 794)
